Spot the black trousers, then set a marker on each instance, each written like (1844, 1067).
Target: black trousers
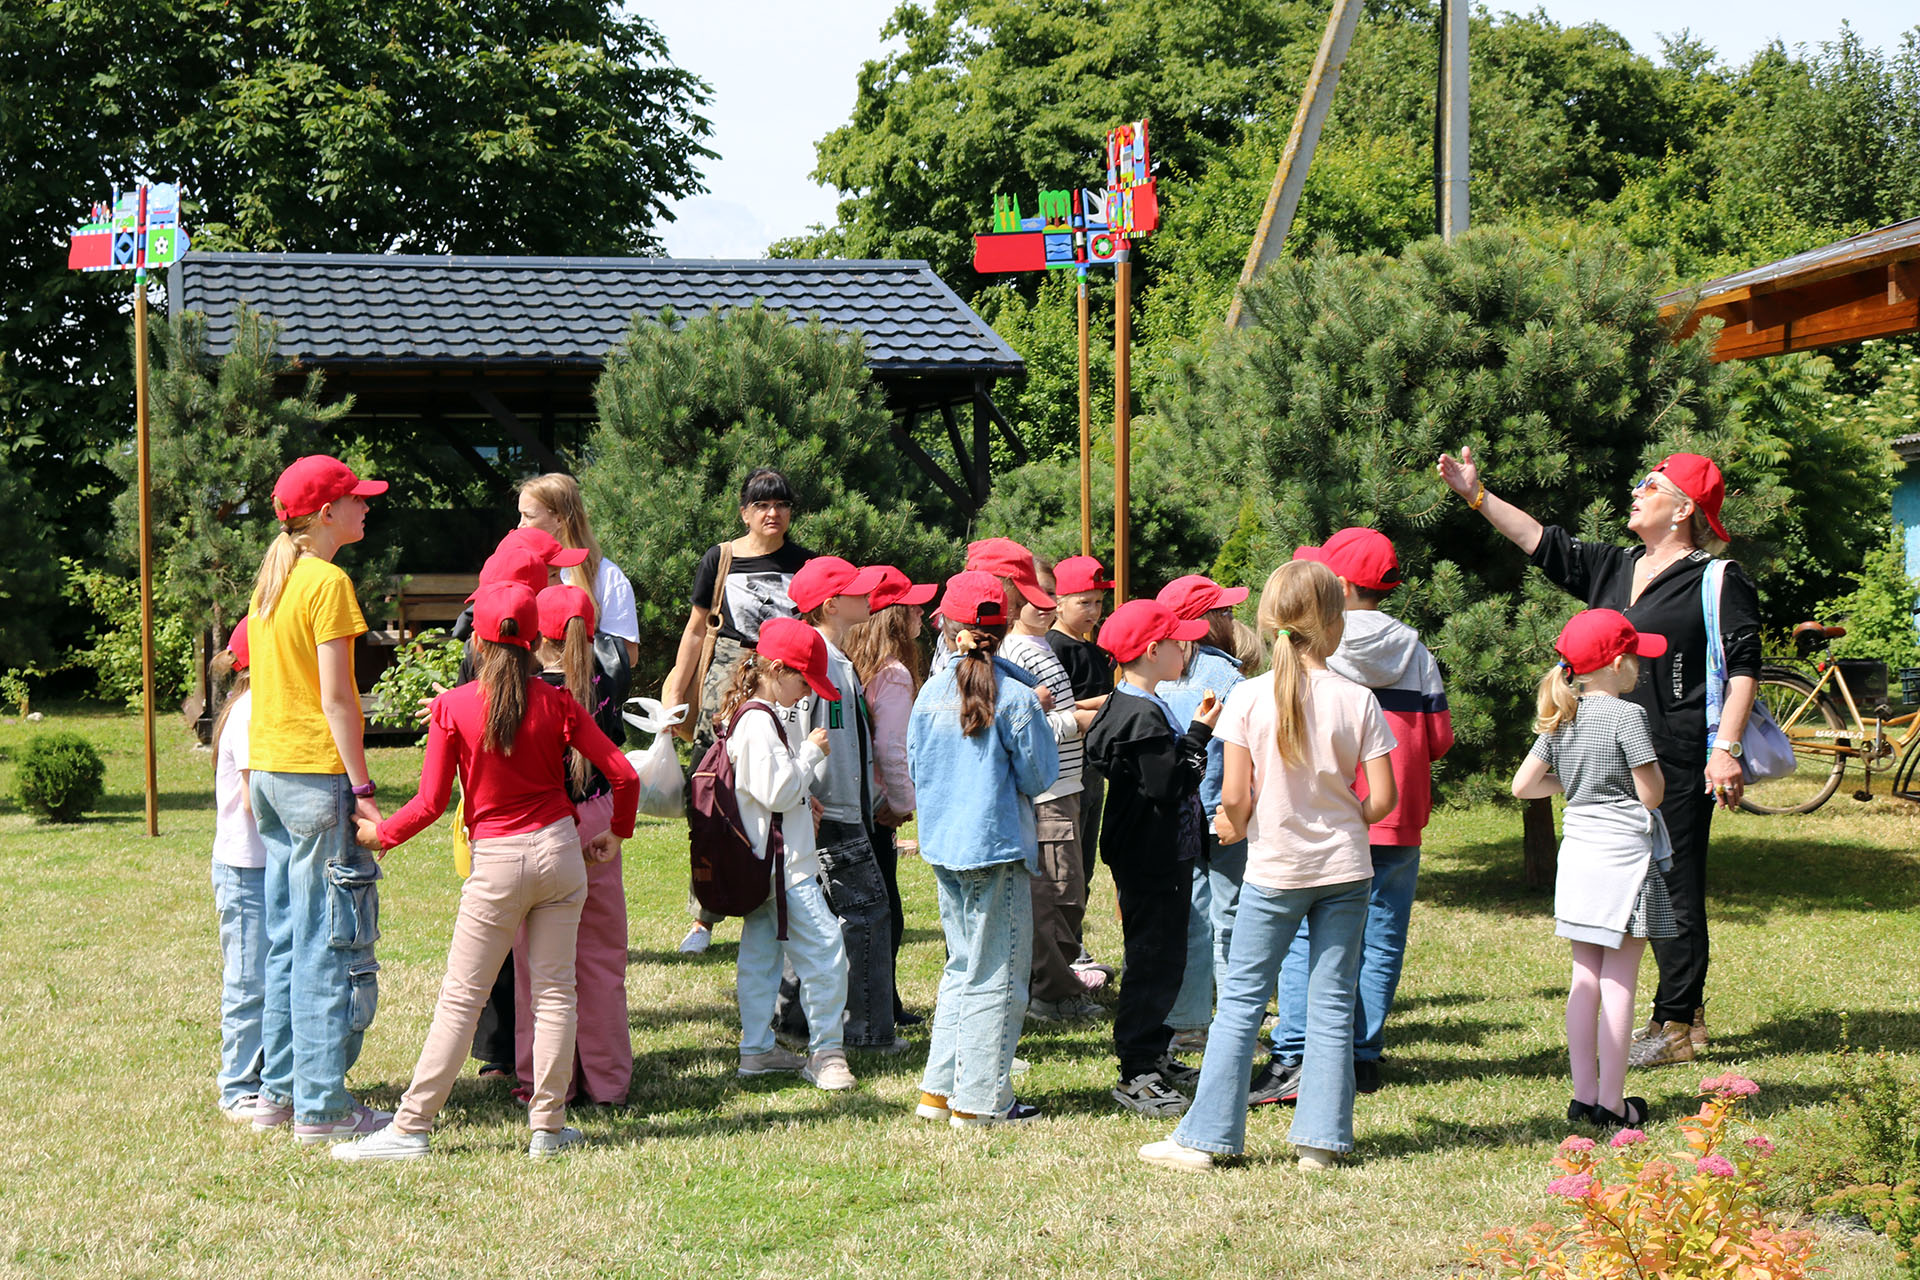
(1154, 902)
(1688, 809)
(493, 1036)
(886, 852)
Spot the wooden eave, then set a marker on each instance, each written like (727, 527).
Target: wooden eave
(1867, 286)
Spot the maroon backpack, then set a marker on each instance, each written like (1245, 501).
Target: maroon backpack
(728, 879)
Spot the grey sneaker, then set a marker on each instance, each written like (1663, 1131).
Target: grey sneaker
(241, 1110)
(1067, 1010)
(549, 1143)
(772, 1062)
(1177, 1073)
(357, 1123)
(385, 1144)
(828, 1069)
(1149, 1095)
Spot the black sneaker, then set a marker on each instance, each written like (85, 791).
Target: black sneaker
(1278, 1081)
(1177, 1073)
(1366, 1075)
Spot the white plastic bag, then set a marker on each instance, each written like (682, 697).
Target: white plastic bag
(661, 782)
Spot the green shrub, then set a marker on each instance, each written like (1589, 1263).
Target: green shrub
(114, 652)
(1892, 1211)
(61, 776)
(430, 658)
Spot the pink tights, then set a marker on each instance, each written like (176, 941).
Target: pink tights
(1600, 1020)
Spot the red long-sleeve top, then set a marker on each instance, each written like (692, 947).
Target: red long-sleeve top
(510, 795)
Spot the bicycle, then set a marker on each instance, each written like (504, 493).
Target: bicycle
(1823, 719)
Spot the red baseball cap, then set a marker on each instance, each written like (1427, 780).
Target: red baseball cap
(1193, 595)
(824, 577)
(1595, 637)
(237, 646)
(797, 645)
(1138, 623)
(546, 546)
(975, 596)
(561, 604)
(1699, 479)
(514, 562)
(1361, 555)
(897, 588)
(1079, 573)
(497, 604)
(314, 481)
(1005, 558)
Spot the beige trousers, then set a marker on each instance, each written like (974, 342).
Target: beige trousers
(1059, 890)
(539, 878)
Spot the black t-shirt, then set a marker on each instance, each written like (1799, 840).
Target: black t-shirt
(1673, 687)
(1087, 664)
(756, 589)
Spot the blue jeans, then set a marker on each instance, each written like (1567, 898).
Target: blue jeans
(1265, 928)
(1396, 869)
(323, 917)
(240, 901)
(987, 915)
(1216, 898)
(815, 950)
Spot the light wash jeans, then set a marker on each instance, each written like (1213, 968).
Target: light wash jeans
(1216, 898)
(1396, 869)
(818, 956)
(987, 916)
(323, 917)
(240, 901)
(1265, 928)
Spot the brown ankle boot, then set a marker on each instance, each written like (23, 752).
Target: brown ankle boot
(1673, 1043)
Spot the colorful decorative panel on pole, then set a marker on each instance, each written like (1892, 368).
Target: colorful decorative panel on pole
(1081, 227)
(138, 229)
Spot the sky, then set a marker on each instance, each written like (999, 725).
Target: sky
(783, 75)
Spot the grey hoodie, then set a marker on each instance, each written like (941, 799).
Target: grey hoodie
(1379, 651)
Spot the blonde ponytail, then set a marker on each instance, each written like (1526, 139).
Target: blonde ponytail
(285, 552)
(1557, 703)
(1300, 612)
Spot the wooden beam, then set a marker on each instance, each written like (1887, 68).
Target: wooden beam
(1014, 442)
(961, 461)
(1903, 282)
(903, 436)
(527, 439)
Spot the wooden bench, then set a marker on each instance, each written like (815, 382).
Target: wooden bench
(422, 600)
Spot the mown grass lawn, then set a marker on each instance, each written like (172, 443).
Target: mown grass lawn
(114, 1161)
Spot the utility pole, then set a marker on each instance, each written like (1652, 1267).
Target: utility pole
(1450, 123)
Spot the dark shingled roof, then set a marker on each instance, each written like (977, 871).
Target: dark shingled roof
(374, 310)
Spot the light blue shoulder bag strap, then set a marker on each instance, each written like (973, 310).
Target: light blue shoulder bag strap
(1710, 583)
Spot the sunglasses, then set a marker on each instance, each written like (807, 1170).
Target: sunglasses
(1651, 482)
(764, 508)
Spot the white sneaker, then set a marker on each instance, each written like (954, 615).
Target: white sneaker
(548, 1143)
(1019, 1067)
(241, 1110)
(828, 1069)
(1174, 1156)
(1316, 1159)
(384, 1144)
(698, 939)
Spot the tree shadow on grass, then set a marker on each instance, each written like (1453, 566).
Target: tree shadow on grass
(1748, 878)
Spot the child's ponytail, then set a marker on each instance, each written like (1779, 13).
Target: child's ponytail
(975, 643)
(1300, 613)
(503, 675)
(278, 563)
(749, 675)
(1558, 701)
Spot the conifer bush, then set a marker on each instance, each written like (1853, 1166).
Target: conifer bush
(60, 776)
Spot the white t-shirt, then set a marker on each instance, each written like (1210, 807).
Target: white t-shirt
(1306, 827)
(613, 598)
(236, 840)
(769, 777)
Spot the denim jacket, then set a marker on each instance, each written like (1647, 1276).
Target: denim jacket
(976, 792)
(1210, 669)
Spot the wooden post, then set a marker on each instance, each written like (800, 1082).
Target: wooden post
(1122, 426)
(1086, 430)
(142, 458)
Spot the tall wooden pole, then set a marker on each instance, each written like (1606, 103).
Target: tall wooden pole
(1086, 431)
(1122, 426)
(143, 457)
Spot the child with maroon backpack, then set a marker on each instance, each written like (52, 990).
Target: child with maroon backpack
(772, 784)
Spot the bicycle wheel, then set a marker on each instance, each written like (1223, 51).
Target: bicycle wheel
(1816, 774)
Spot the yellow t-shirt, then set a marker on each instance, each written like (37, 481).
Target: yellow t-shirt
(289, 732)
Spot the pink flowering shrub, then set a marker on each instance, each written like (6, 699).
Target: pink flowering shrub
(1643, 1214)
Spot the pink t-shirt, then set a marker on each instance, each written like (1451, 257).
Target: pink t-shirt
(1306, 828)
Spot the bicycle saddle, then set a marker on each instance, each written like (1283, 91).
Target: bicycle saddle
(1809, 636)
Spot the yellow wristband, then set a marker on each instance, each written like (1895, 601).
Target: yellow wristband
(1478, 498)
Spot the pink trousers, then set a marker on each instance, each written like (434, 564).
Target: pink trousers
(603, 1045)
(535, 884)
